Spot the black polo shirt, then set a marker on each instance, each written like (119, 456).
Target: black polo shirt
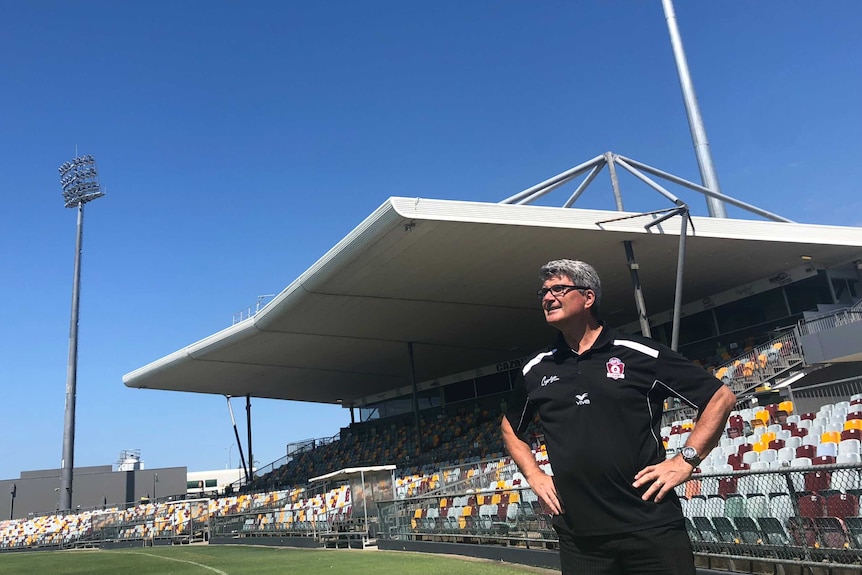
(601, 414)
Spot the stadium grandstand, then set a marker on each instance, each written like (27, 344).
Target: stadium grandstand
(416, 322)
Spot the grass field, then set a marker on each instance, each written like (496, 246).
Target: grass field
(239, 560)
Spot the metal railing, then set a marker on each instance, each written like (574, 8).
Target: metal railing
(830, 321)
(806, 514)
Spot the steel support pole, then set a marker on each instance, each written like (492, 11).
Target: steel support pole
(567, 175)
(695, 121)
(415, 397)
(238, 442)
(68, 462)
(12, 501)
(615, 183)
(680, 269)
(583, 186)
(248, 430)
(639, 294)
(705, 191)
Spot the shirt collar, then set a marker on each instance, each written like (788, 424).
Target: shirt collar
(606, 337)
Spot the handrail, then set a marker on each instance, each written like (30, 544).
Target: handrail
(829, 321)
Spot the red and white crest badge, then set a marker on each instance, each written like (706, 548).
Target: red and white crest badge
(616, 368)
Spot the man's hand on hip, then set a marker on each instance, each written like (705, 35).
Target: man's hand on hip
(662, 477)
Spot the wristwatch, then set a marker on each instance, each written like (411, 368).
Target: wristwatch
(690, 456)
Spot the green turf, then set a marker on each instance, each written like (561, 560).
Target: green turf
(239, 560)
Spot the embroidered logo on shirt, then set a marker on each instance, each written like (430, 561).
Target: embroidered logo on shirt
(616, 368)
(582, 398)
(549, 379)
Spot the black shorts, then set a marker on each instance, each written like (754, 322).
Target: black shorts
(661, 550)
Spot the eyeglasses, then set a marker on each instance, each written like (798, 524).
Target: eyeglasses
(557, 290)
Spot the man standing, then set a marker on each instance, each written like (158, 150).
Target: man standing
(599, 396)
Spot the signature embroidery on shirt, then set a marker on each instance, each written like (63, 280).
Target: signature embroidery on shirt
(582, 398)
(549, 379)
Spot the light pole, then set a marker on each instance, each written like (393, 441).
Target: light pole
(155, 480)
(80, 183)
(12, 494)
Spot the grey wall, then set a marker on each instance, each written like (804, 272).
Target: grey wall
(37, 491)
(841, 343)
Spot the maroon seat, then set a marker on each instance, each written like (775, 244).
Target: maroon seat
(808, 451)
(842, 505)
(851, 434)
(776, 444)
(831, 532)
(744, 448)
(812, 505)
(727, 485)
(808, 415)
(823, 460)
(816, 481)
(734, 459)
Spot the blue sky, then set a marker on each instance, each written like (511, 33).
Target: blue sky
(238, 142)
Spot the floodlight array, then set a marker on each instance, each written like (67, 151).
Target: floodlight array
(80, 181)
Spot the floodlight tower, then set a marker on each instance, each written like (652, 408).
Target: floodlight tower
(80, 183)
(695, 121)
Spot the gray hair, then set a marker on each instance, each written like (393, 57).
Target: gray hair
(580, 273)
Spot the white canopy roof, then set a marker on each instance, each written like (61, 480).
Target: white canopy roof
(458, 280)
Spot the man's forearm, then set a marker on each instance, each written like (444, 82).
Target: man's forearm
(710, 425)
(520, 452)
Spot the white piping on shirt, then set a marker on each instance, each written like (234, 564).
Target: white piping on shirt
(644, 349)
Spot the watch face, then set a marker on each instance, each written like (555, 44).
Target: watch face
(689, 453)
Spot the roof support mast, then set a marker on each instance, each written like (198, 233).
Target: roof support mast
(698, 132)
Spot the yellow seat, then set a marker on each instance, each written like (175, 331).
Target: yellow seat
(767, 436)
(853, 424)
(761, 415)
(786, 407)
(760, 446)
(830, 437)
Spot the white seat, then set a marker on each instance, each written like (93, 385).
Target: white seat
(804, 423)
(758, 505)
(845, 479)
(849, 446)
(715, 506)
(828, 449)
(793, 441)
(750, 457)
(778, 464)
(749, 484)
(737, 441)
(800, 462)
(811, 439)
(774, 428)
(783, 434)
(696, 506)
(794, 419)
(768, 455)
(787, 454)
(709, 486)
(834, 426)
(781, 507)
(849, 458)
